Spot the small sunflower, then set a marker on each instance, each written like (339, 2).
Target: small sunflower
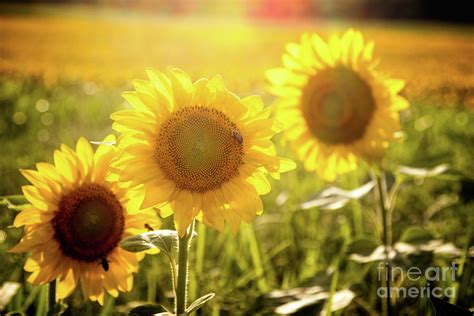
(75, 223)
(337, 109)
(196, 149)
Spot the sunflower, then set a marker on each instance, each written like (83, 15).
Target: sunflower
(75, 223)
(196, 150)
(336, 108)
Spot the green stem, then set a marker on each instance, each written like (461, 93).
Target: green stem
(462, 265)
(200, 245)
(182, 284)
(356, 209)
(52, 297)
(174, 274)
(152, 283)
(257, 259)
(333, 287)
(383, 208)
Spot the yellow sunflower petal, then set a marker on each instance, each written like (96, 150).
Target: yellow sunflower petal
(66, 284)
(64, 167)
(162, 85)
(85, 154)
(157, 193)
(32, 216)
(212, 211)
(38, 180)
(203, 94)
(33, 195)
(182, 87)
(183, 211)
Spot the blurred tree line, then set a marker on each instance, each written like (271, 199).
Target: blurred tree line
(457, 11)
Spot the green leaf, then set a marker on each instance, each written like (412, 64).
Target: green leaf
(297, 292)
(437, 247)
(149, 309)
(334, 198)
(165, 240)
(14, 202)
(443, 171)
(443, 308)
(423, 172)
(416, 235)
(35, 291)
(340, 300)
(7, 291)
(197, 304)
(378, 254)
(401, 250)
(362, 247)
(58, 309)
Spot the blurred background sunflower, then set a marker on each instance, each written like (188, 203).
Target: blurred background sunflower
(336, 107)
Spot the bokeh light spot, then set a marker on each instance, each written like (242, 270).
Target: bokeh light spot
(90, 88)
(43, 135)
(19, 118)
(47, 119)
(42, 105)
(3, 236)
(462, 119)
(423, 123)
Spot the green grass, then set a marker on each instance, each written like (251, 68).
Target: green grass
(286, 247)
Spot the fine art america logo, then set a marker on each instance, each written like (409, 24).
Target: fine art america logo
(414, 274)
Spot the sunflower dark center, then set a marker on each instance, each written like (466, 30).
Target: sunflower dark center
(199, 148)
(89, 223)
(337, 105)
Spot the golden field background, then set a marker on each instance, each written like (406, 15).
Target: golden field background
(435, 60)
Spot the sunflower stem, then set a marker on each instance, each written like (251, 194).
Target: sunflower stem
(356, 208)
(182, 283)
(174, 274)
(386, 242)
(52, 298)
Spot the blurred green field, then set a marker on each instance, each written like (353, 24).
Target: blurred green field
(62, 72)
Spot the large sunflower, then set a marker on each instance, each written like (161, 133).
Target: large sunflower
(337, 108)
(75, 223)
(196, 149)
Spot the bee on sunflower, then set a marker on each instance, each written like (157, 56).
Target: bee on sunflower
(195, 149)
(338, 110)
(76, 221)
